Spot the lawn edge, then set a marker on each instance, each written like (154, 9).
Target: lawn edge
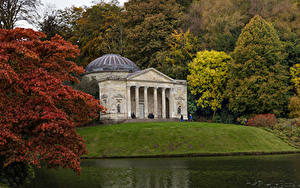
(196, 155)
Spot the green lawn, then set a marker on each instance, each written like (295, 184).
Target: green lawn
(135, 139)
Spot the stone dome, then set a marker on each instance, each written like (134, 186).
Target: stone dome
(111, 62)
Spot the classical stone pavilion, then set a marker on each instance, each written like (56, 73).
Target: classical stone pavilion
(128, 92)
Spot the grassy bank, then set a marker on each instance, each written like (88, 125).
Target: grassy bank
(135, 139)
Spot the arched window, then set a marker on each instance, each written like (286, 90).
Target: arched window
(119, 108)
(179, 110)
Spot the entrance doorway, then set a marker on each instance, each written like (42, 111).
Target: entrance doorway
(141, 109)
(167, 108)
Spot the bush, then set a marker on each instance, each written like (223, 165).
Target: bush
(288, 130)
(15, 174)
(242, 120)
(296, 122)
(263, 120)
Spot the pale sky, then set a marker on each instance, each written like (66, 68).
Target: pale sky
(61, 4)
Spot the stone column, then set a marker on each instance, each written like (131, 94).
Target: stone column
(145, 102)
(171, 103)
(137, 102)
(128, 102)
(155, 103)
(99, 100)
(163, 100)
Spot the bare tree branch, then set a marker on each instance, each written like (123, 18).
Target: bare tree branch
(12, 11)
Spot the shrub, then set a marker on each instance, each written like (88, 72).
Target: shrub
(242, 120)
(288, 130)
(262, 120)
(296, 122)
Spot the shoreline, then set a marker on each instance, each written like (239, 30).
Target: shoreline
(196, 155)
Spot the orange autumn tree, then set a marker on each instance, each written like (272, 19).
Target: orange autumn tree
(38, 113)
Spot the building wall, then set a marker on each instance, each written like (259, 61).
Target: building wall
(180, 96)
(112, 93)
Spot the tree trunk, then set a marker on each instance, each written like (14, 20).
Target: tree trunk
(212, 119)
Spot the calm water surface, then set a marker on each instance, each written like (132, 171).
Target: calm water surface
(246, 171)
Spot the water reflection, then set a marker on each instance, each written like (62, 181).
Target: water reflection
(246, 171)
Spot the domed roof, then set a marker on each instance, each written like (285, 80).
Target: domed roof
(111, 62)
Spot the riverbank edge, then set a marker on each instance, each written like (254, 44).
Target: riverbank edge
(195, 155)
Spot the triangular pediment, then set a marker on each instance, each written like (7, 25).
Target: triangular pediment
(150, 74)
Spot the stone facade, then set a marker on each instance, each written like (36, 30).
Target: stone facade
(141, 93)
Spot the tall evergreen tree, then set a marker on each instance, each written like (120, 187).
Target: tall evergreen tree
(259, 80)
(218, 23)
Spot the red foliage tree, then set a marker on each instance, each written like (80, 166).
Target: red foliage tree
(38, 114)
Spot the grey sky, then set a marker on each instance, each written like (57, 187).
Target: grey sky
(61, 4)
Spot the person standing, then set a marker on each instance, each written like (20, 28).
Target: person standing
(191, 117)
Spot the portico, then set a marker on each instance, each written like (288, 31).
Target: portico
(145, 100)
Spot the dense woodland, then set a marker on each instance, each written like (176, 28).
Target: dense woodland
(261, 39)
(240, 58)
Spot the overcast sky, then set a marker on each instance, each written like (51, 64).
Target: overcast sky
(61, 4)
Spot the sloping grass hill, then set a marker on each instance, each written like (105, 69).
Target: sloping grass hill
(167, 138)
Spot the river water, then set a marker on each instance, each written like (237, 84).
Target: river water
(238, 171)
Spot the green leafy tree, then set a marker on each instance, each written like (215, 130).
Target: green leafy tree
(50, 25)
(98, 31)
(259, 80)
(68, 21)
(61, 22)
(148, 24)
(207, 78)
(182, 49)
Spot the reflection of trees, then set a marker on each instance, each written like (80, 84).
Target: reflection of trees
(146, 177)
(199, 172)
(143, 174)
(247, 171)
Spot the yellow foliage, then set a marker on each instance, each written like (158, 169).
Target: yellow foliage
(294, 105)
(295, 73)
(207, 78)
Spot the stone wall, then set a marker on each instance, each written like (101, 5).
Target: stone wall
(113, 93)
(180, 96)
